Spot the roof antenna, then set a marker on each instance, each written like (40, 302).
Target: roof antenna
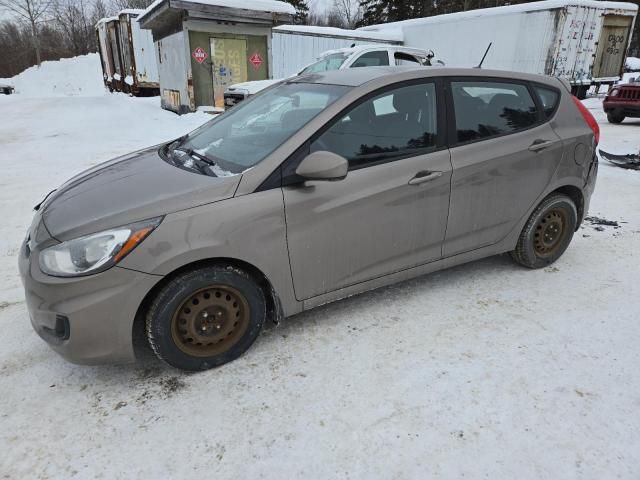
(485, 55)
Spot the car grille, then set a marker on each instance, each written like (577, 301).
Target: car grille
(628, 93)
(231, 99)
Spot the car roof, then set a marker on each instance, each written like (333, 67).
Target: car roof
(380, 46)
(354, 77)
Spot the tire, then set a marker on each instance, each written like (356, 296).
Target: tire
(581, 92)
(205, 318)
(615, 117)
(547, 233)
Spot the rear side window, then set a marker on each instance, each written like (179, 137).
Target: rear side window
(372, 59)
(405, 59)
(548, 98)
(489, 109)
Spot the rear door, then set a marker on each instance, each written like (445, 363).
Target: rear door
(612, 46)
(390, 212)
(504, 153)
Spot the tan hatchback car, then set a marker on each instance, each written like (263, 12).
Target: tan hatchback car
(318, 188)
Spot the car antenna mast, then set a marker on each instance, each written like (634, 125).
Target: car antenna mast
(485, 55)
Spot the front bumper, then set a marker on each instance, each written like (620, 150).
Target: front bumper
(87, 320)
(626, 108)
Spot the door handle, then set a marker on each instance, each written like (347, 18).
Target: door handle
(538, 145)
(424, 176)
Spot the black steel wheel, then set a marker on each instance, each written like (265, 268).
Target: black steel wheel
(206, 317)
(547, 233)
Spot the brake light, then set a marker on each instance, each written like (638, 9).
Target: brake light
(593, 125)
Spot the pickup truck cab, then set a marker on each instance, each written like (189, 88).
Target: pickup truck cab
(353, 57)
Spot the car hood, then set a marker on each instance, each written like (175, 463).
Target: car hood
(251, 88)
(127, 189)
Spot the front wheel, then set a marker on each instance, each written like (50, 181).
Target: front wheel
(615, 117)
(206, 317)
(547, 233)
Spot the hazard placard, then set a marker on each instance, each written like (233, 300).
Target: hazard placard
(200, 54)
(256, 60)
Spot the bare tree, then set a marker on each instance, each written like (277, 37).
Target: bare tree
(73, 20)
(32, 12)
(350, 11)
(124, 4)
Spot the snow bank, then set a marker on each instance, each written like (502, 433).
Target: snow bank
(79, 76)
(633, 64)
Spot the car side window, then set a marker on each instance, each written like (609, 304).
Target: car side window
(548, 98)
(398, 123)
(489, 109)
(372, 59)
(402, 58)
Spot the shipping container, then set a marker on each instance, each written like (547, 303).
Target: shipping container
(203, 46)
(108, 57)
(582, 41)
(296, 46)
(138, 55)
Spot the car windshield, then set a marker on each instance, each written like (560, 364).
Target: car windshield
(246, 134)
(332, 61)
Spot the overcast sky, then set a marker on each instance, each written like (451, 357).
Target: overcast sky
(314, 5)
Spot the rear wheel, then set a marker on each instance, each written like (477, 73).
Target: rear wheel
(615, 117)
(547, 233)
(206, 317)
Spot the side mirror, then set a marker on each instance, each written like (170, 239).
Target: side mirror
(323, 165)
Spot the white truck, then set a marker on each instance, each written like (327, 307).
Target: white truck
(582, 41)
(342, 58)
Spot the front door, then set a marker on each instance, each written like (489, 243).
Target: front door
(504, 153)
(390, 212)
(229, 65)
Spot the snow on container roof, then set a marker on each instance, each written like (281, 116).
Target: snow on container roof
(509, 9)
(106, 20)
(270, 6)
(388, 35)
(131, 11)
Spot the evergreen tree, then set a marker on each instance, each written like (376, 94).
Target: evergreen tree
(302, 10)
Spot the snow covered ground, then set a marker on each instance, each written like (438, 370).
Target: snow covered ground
(486, 370)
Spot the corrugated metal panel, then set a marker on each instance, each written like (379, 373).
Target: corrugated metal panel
(292, 51)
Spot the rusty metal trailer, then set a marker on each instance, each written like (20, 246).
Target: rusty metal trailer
(582, 41)
(109, 49)
(141, 76)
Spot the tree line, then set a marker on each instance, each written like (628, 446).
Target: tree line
(37, 30)
(33, 31)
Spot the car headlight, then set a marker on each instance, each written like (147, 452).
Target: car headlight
(96, 252)
(614, 92)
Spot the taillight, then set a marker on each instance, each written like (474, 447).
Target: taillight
(593, 125)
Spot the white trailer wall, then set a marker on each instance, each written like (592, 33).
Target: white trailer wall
(145, 56)
(552, 37)
(172, 56)
(294, 47)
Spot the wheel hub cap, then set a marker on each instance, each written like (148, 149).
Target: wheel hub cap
(210, 321)
(549, 232)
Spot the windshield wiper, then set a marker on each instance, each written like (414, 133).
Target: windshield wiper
(199, 156)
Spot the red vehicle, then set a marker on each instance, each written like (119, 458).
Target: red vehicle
(622, 101)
